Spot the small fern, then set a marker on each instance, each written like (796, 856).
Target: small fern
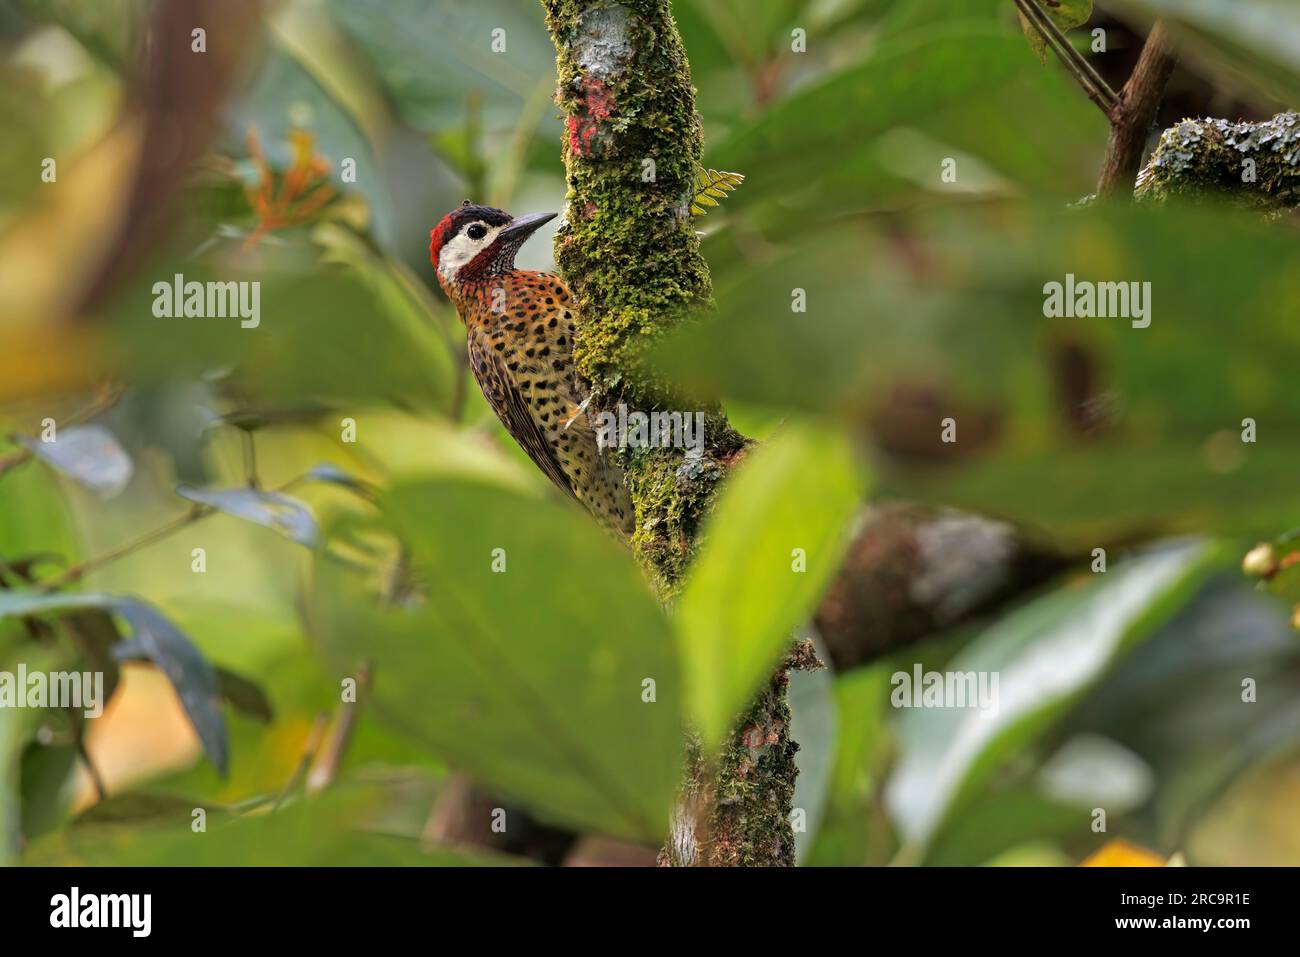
(712, 185)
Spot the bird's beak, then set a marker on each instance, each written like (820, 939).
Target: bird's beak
(521, 227)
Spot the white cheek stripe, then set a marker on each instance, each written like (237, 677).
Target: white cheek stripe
(461, 250)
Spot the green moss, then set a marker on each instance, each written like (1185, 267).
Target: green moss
(630, 253)
(740, 803)
(673, 493)
(631, 147)
(1252, 164)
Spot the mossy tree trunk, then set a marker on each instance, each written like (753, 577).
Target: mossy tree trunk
(630, 252)
(1256, 165)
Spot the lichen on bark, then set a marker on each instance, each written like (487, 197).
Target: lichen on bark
(1252, 164)
(630, 253)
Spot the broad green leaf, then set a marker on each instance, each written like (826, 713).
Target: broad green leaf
(87, 454)
(48, 786)
(16, 725)
(285, 514)
(34, 517)
(770, 548)
(1066, 14)
(1044, 655)
(965, 83)
(531, 677)
(852, 832)
(326, 333)
(333, 830)
(1047, 410)
(1178, 701)
(999, 819)
(142, 807)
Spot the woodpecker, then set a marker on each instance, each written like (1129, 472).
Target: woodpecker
(519, 328)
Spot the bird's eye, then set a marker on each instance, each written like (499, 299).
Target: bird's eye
(477, 231)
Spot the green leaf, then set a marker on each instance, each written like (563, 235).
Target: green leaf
(1066, 14)
(307, 347)
(142, 807)
(87, 454)
(951, 71)
(770, 549)
(48, 786)
(245, 696)
(712, 185)
(287, 515)
(335, 829)
(530, 678)
(1045, 655)
(1048, 409)
(35, 517)
(16, 725)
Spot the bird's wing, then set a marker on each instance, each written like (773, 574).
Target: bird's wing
(511, 408)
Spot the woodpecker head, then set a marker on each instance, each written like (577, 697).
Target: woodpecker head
(477, 242)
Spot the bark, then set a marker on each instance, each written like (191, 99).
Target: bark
(1132, 117)
(916, 571)
(630, 253)
(1256, 165)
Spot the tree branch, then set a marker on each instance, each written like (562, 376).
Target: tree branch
(1249, 164)
(1135, 114)
(631, 255)
(1084, 74)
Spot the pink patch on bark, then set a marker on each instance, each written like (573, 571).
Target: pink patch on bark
(597, 106)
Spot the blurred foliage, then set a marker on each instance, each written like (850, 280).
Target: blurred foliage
(909, 174)
(779, 531)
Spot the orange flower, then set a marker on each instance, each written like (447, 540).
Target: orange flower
(302, 190)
